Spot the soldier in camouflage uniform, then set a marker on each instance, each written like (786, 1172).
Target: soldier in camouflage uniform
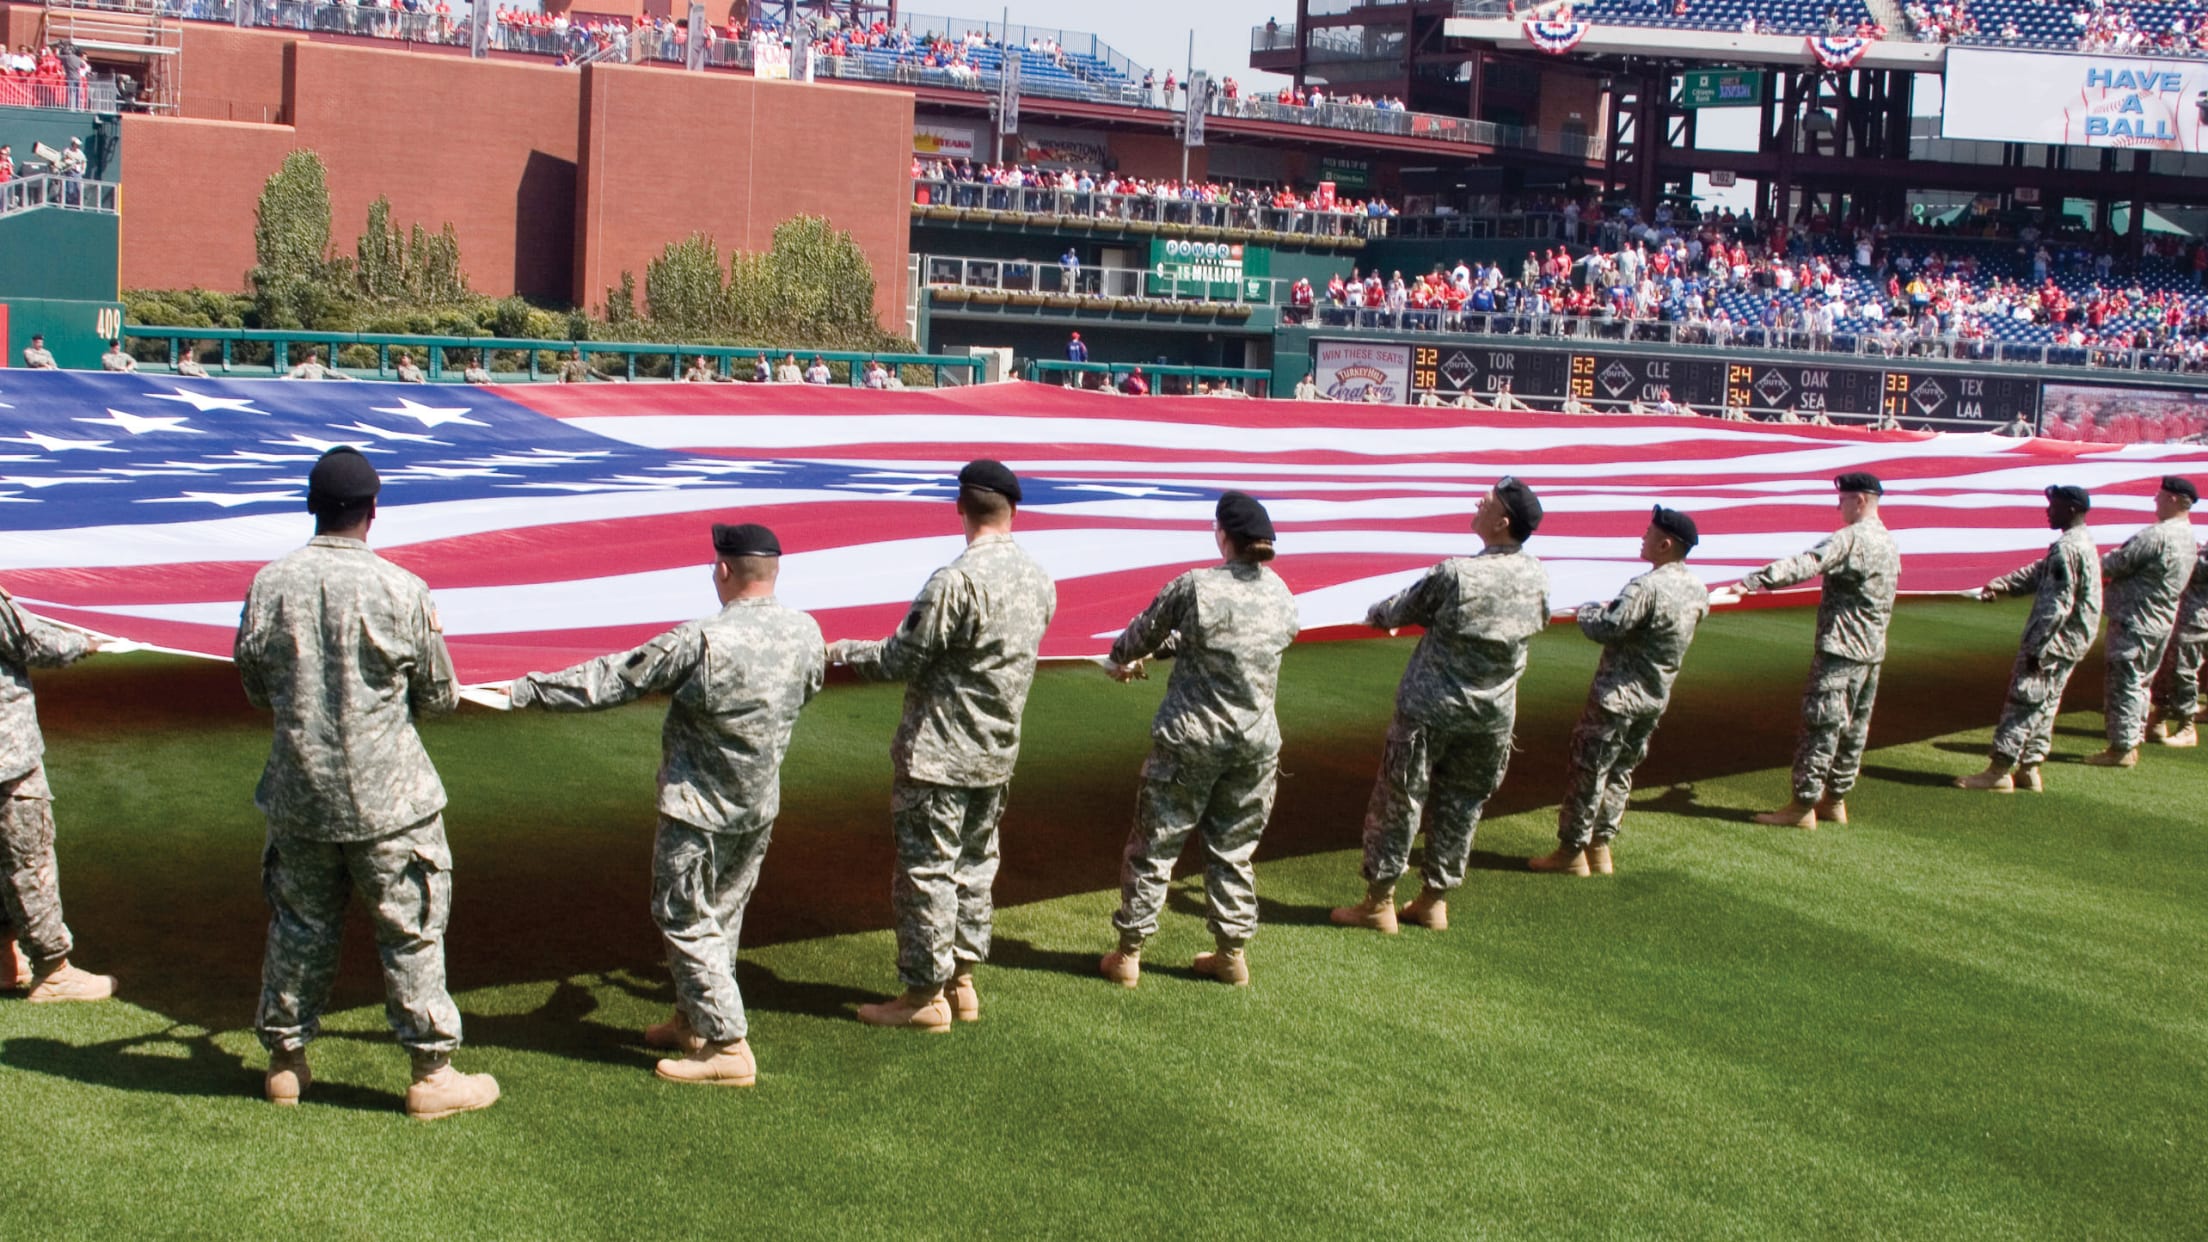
(2066, 610)
(2144, 578)
(344, 647)
(1861, 569)
(967, 651)
(30, 885)
(738, 679)
(1215, 746)
(1450, 740)
(1644, 634)
(2177, 686)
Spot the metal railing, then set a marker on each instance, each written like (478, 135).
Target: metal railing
(1147, 209)
(1852, 342)
(1075, 42)
(1053, 279)
(54, 190)
(370, 355)
(96, 95)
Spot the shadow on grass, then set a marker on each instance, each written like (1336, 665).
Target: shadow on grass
(765, 990)
(1027, 955)
(1680, 800)
(1906, 776)
(204, 1070)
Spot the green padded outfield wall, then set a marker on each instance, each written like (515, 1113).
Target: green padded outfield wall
(58, 276)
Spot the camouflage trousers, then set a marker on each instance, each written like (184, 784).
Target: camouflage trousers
(1444, 775)
(946, 863)
(701, 882)
(406, 880)
(2027, 728)
(1836, 723)
(1225, 805)
(1605, 750)
(2177, 685)
(30, 884)
(2132, 660)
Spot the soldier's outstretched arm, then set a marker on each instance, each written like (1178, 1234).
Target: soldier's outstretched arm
(433, 689)
(1787, 571)
(940, 617)
(1415, 604)
(1609, 622)
(2017, 582)
(611, 680)
(2128, 559)
(1153, 628)
(25, 639)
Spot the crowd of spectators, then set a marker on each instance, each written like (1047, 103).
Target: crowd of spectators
(52, 76)
(2096, 26)
(1868, 289)
(1087, 191)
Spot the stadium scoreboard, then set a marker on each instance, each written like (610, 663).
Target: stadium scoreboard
(1608, 378)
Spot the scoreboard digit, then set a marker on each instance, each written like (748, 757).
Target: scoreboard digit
(1425, 368)
(1582, 377)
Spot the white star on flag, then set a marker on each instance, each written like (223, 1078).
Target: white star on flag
(226, 500)
(55, 444)
(34, 480)
(204, 403)
(385, 433)
(430, 415)
(320, 446)
(139, 425)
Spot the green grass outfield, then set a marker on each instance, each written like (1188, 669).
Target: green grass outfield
(1962, 1015)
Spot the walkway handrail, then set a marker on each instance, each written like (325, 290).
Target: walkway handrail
(1147, 209)
(539, 358)
(1253, 382)
(30, 193)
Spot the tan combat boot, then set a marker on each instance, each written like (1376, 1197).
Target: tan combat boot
(1563, 860)
(1228, 964)
(2114, 758)
(288, 1078)
(2180, 736)
(1995, 779)
(66, 983)
(14, 971)
(1376, 911)
(1598, 858)
(674, 1035)
(1123, 965)
(713, 1065)
(440, 1091)
(965, 1001)
(1430, 909)
(2027, 778)
(1832, 810)
(922, 1009)
(1795, 814)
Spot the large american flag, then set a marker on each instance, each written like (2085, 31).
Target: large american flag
(558, 523)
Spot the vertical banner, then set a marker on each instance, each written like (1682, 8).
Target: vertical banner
(701, 34)
(1008, 93)
(1192, 122)
(479, 27)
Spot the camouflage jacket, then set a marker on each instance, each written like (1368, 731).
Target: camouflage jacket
(27, 643)
(967, 650)
(738, 679)
(1861, 569)
(1644, 634)
(2192, 609)
(2145, 577)
(2066, 608)
(1479, 613)
(343, 646)
(1226, 627)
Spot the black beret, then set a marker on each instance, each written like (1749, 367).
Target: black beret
(1860, 481)
(991, 476)
(1676, 524)
(747, 539)
(342, 477)
(2074, 497)
(2182, 487)
(1241, 516)
(1524, 507)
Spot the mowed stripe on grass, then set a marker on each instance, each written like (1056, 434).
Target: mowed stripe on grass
(1959, 1014)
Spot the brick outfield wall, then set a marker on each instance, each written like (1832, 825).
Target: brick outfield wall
(555, 180)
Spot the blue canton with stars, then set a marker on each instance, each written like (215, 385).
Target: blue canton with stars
(104, 450)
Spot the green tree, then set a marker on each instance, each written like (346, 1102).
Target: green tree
(821, 281)
(683, 293)
(291, 244)
(379, 258)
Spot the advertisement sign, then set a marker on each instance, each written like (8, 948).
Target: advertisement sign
(943, 142)
(2075, 99)
(1346, 174)
(2097, 414)
(1217, 271)
(1349, 370)
(769, 59)
(1063, 148)
(1720, 88)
